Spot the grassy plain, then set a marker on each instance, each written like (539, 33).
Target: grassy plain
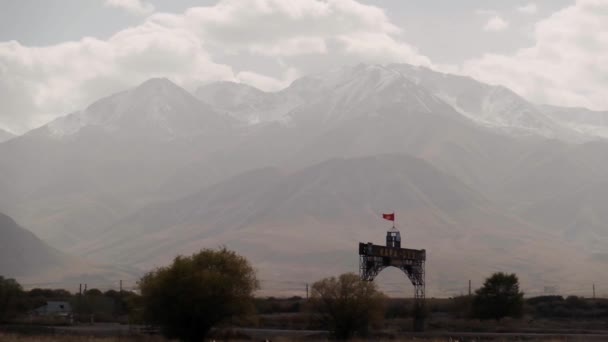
(21, 338)
(64, 338)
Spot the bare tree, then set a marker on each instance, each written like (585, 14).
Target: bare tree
(347, 305)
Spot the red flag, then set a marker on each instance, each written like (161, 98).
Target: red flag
(390, 217)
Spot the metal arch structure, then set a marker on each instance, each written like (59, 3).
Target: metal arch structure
(411, 263)
(374, 258)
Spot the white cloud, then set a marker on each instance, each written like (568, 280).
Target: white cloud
(530, 8)
(286, 28)
(40, 83)
(136, 7)
(495, 24)
(567, 65)
(268, 83)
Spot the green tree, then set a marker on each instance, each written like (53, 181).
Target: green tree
(11, 294)
(93, 292)
(347, 304)
(194, 294)
(498, 297)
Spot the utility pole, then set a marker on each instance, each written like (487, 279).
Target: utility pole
(85, 289)
(307, 291)
(80, 289)
(594, 291)
(469, 287)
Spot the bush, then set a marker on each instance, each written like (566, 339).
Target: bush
(11, 294)
(498, 297)
(347, 304)
(196, 293)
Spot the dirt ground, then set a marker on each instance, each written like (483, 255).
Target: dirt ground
(22, 338)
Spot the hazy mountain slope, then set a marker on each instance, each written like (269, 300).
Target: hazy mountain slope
(303, 225)
(4, 135)
(89, 168)
(246, 103)
(365, 110)
(585, 121)
(562, 191)
(492, 106)
(157, 109)
(22, 253)
(555, 170)
(34, 263)
(160, 218)
(495, 107)
(476, 156)
(364, 92)
(360, 111)
(579, 215)
(451, 121)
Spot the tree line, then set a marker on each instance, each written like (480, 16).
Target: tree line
(215, 287)
(110, 305)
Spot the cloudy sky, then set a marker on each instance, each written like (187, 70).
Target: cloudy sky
(57, 56)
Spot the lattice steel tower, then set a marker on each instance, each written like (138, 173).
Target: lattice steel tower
(375, 258)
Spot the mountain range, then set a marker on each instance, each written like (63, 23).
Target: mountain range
(481, 178)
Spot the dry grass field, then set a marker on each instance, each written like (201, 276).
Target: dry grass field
(20, 338)
(60, 338)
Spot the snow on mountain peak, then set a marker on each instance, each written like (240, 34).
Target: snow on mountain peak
(5, 135)
(587, 122)
(156, 107)
(338, 94)
(494, 107)
(248, 104)
(157, 86)
(363, 90)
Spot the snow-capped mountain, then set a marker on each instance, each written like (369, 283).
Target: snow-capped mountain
(411, 87)
(67, 178)
(157, 108)
(325, 98)
(364, 90)
(177, 172)
(246, 103)
(586, 122)
(495, 107)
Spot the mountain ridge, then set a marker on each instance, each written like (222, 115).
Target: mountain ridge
(328, 208)
(500, 109)
(22, 253)
(171, 111)
(153, 171)
(5, 135)
(64, 186)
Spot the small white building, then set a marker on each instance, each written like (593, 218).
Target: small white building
(54, 308)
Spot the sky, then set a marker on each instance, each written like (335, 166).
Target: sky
(58, 56)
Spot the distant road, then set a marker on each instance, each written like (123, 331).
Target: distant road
(260, 334)
(591, 336)
(600, 336)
